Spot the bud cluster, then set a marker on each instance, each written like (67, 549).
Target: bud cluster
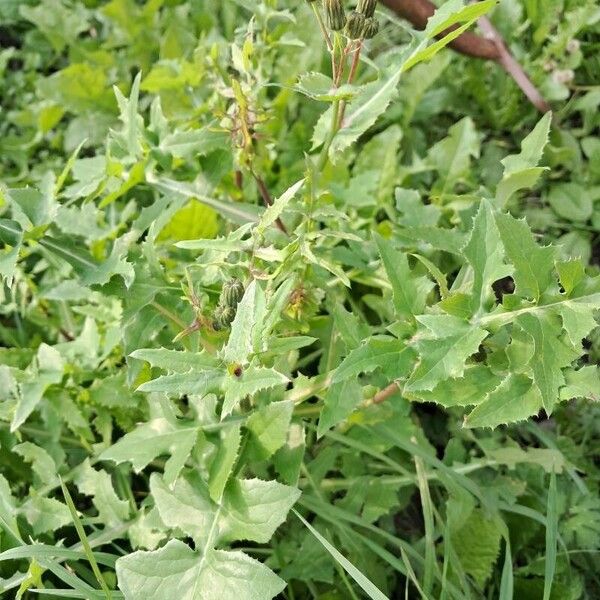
(231, 294)
(358, 24)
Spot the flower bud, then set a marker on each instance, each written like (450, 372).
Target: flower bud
(366, 7)
(335, 15)
(370, 28)
(354, 25)
(232, 293)
(223, 317)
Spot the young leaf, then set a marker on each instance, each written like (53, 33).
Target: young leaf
(515, 399)
(444, 350)
(407, 299)
(485, 252)
(390, 355)
(534, 264)
(177, 571)
(156, 437)
(249, 382)
(550, 357)
(268, 428)
(521, 170)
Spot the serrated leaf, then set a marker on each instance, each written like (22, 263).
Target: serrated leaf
(45, 514)
(177, 571)
(534, 264)
(112, 511)
(583, 383)
(249, 509)
(42, 463)
(252, 380)
(485, 252)
(469, 390)
(515, 399)
(390, 355)
(238, 212)
(551, 355)
(407, 299)
(273, 212)
(319, 86)
(174, 360)
(521, 170)
(240, 343)
(192, 382)
(477, 544)
(444, 350)
(339, 402)
(156, 437)
(48, 370)
(230, 439)
(268, 428)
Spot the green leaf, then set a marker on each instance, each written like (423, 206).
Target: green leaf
(47, 369)
(268, 428)
(515, 399)
(179, 572)
(273, 212)
(340, 401)
(571, 201)
(584, 383)
(174, 360)
(470, 389)
(444, 350)
(319, 86)
(485, 252)
(45, 514)
(407, 299)
(151, 439)
(390, 355)
(452, 155)
(112, 511)
(191, 382)
(250, 509)
(237, 212)
(252, 380)
(550, 357)
(521, 170)
(240, 343)
(42, 463)
(477, 545)
(534, 264)
(133, 124)
(230, 439)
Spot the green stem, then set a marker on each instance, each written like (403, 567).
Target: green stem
(322, 26)
(332, 131)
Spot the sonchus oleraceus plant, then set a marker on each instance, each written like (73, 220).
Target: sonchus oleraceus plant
(210, 419)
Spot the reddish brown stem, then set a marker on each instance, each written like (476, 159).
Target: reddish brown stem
(385, 393)
(490, 47)
(266, 196)
(351, 75)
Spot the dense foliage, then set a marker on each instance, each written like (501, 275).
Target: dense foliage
(296, 310)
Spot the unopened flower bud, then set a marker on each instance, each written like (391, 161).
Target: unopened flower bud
(573, 46)
(366, 7)
(334, 12)
(232, 293)
(354, 25)
(370, 28)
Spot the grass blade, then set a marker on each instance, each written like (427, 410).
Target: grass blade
(364, 582)
(506, 583)
(551, 536)
(86, 544)
(426, 505)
